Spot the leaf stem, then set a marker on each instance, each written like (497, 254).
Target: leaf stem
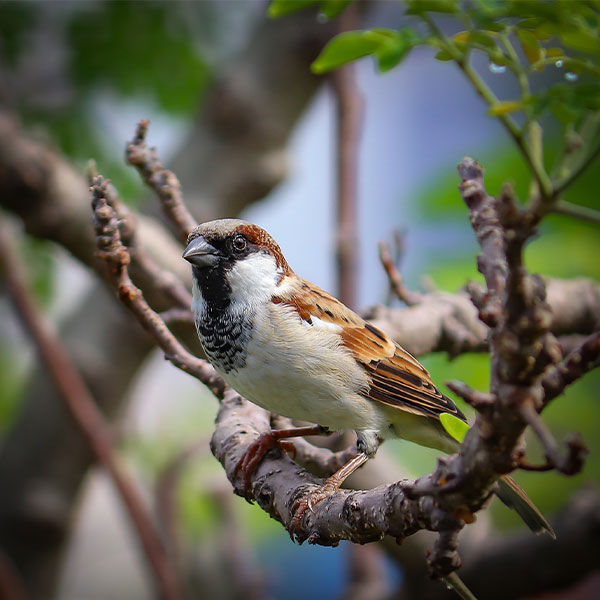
(583, 213)
(535, 163)
(577, 171)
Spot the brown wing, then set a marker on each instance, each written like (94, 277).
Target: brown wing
(396, 377)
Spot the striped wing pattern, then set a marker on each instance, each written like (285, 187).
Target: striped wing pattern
(396, 377)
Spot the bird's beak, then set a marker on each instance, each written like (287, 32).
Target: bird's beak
(200, 253)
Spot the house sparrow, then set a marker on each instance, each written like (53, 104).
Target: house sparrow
(293, 349)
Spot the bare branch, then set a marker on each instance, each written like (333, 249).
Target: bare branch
(117, 258)
(480, 401)
(162, 279)
(570, 464)
(163, 182)
(581, 360)
(395, 278)
(82, 407)
(576, 211)
(491, 262)
(349, 117)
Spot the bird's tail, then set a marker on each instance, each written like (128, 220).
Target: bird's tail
(514, 496)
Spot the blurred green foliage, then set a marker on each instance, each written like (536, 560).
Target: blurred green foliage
(523, 38)
(16, 18)
(148, 52)
(11, 390)
(328, 9)
(137, 48)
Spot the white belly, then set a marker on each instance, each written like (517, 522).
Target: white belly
(299, 371)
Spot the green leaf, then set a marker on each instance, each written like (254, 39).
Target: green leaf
(563, 113)
(454, 426)
(483, 39)
(530, 45)
(581, 40)
(416, 7)
(347, 47)
(282, 8)
(127, 47)
(395, 48)
(443, 55)
(332, 8)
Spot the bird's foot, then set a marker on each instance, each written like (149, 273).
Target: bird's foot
(253, 456)
(332, 484)
(305, 503)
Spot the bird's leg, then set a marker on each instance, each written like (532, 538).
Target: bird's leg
(273, 439)
(331, 485)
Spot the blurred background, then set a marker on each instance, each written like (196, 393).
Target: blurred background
(237, 115)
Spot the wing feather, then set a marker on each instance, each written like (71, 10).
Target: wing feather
(396, 377)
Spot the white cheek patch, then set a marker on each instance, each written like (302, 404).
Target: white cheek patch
(320, 324)
(254, 278)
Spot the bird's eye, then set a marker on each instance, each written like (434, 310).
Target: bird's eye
(239, 243)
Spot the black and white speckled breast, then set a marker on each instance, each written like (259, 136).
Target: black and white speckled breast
(224, 338)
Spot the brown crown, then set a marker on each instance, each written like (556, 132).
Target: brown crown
(222, 228)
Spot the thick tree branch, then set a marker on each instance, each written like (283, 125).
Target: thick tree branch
(501, 567)
(443, 322)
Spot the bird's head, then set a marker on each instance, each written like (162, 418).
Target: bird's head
(236, 258)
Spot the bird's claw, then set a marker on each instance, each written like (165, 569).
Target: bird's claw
(308, 503)
(298, 510)
(249, 461)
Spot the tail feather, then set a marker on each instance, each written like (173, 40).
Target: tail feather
(514, 496)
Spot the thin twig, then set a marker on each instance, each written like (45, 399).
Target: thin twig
(583, 213)
(162, 279)
(478, 400)
(82, 407)
(537, 168)
(527, 466)
(568, 464)
(579, 170)
(117, 257)
(395, 278)
(454, 582)
(177, 315)
(577, 363)
(162, 181)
